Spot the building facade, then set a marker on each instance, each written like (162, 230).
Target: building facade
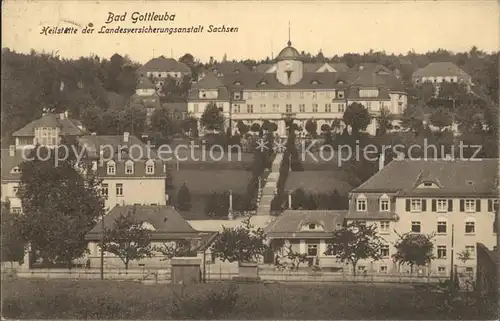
(288, 90)
(439, 72)
(454, 200)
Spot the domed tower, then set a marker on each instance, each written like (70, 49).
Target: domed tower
(289, 66)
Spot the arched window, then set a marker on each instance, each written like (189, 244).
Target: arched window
(129, 167)
(150, 167)
(385, 203)
(111, 167)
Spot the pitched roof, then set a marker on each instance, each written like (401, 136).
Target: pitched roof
(145, 83)
(373, 68)
(67, 126)
(209, 81)
(456, 177)
(162, 64)
(230, 67)
(262, 68)
(290, 222)
(167, 222)
(308, 67)
(442, 69)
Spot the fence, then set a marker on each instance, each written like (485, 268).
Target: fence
(218, 274)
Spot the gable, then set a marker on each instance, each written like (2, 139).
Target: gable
(326, 68)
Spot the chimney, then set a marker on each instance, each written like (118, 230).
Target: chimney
(125, 137)
(12, 150)
(381, 161)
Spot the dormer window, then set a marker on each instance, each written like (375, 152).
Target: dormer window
(427, 184)
(111, 168)
(361, 203)
(263, 82)
(203, 94)
(16, 170)
(237, 95)
(150, 167)
(129, 167)
(384, 203)
(340, 94)
(237, 83)
(314, 82)
(340, 82)
(312, 226)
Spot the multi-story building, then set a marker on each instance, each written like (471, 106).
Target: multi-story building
(439, 72)
(452, 199)
(48, 130)
(131, 172)
(160, 68)
(287, 90)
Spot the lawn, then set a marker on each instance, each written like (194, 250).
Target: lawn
(320, 181)
(202, 182)
(65, 299)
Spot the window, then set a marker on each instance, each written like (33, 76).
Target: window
(16, 210)
(470, 227)
(104, 191)
(361, 268)
(237, 96)
(237, 108)
(383, 269)
(262, 107)
(470, 206)
(384, 250)
(441, 252)
(442, 269)
(276, 108)
(289, 95)
(315, 108)
(288, 108)
(416, 205)
(471, 249)
(492, 205)
(415, 227)
(195, 108)
(15, 189)
(442, 206)
(250, 109)
(328, 108)
(312, 249)
(361, 205)
(16, 170)
(119, 189)
(369, 104)
(341, 108)
(129, 167)
(340, 94)
(203, 94)
(302, 95)
(312, 226)
(150, 168)
(384, 205)
(111, 168)
(302, 108)
(315, 95)
(441, 227)
(384, 226)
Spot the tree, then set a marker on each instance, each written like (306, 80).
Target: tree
(187, 59)
(273, 127)
(465, 256)
(355, 242)
(413, 118)
(384, 121)
(255, 127)
(128, 239)
(12, 242)
(414, 249)
(288, 259)
(162, 123)
(244, 243)
(184, 198)
(242, 127)
(453, 91)
(325, 128)
(312, 127)
(212, 118)
(61, 203)
(356, 116)
(441, 118)
(175, 249)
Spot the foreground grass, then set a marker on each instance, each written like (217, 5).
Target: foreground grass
(65, 299)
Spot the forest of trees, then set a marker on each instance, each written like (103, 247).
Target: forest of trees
(97, 90)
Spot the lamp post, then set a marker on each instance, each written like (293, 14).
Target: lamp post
(102, 244)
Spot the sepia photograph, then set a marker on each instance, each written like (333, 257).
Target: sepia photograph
(250, 160)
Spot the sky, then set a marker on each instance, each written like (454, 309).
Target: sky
(335, 27)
